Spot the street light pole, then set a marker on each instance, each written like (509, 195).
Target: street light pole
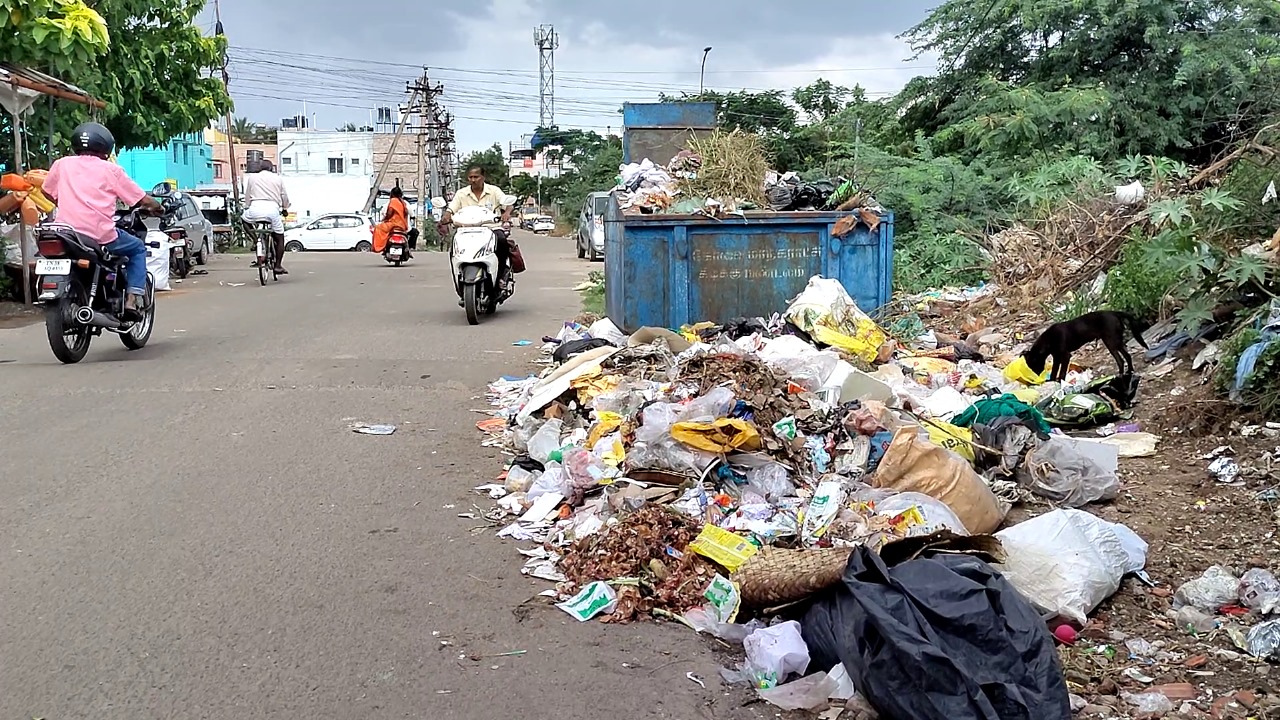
(702, 76)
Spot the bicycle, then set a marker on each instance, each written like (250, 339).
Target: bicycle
(264, 249)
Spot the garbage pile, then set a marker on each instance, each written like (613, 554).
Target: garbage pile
(831, 496)
(728, 173)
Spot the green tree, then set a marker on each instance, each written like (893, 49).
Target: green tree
(156, 83)
(1176, 78)
(822, 99)
(496, 170)
(523, 187)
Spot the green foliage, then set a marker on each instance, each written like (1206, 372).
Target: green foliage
(1172, 78)
(155, 82)
(496, 170)
(593, 293)
(1262, 388)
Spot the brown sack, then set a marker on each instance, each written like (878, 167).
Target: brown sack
(913, 464)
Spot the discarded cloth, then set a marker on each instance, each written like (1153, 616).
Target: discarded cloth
(985, 411)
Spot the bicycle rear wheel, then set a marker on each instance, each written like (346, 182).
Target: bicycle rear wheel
(272, 260)
(261, 254)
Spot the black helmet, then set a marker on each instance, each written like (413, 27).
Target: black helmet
(93, 139)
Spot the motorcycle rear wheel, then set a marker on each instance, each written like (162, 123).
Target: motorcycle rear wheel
(59, 329)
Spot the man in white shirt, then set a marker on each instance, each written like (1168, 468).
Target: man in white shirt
(478, 192)
(267, 201)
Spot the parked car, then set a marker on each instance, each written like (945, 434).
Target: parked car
(188, 217)
(338, 231)
(591, 226)
(543, 224)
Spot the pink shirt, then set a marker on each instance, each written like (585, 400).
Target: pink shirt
(86, 188)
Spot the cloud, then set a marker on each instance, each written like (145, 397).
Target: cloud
(609, 53)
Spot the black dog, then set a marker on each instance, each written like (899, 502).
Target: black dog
(1060, 340)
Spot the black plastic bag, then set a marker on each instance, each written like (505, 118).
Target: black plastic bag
(938, 638)
(577, 347)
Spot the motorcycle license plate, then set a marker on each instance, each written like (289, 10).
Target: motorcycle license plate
(53, 267)
(395, 252)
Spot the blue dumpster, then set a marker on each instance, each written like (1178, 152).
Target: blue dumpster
(671, 270)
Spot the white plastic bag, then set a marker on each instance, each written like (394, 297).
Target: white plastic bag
(1069, 561)
(934, 515)
(158, 265)
(546, 440)
(807, 693)
(771, 481)
(1058, 471)
(1215, 588)
(774, 653)
(552, 480)
(803, 362)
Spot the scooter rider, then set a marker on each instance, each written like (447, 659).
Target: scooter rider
(480, 193)
(86, 187)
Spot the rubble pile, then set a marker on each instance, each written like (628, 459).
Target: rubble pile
(793, 483)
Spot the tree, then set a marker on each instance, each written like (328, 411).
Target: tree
(156, 83)
(243, 129)
(349, 127)
(523, 187)
(823, 99)
(1175, 78)
(494, 162)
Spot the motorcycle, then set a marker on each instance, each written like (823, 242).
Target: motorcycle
(181, 259)
(83, 289)
(474, 260)
(397, 249)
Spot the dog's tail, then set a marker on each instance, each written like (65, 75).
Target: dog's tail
(1137, 326)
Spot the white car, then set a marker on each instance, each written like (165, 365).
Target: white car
(544, 224)
(339, 231)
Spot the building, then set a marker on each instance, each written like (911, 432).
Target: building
(401, 165)
(524, 160)
(186, 161)
(244, 152)
(325, 171)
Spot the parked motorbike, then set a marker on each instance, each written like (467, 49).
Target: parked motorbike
(181, 257)
(83, 289)
(397, 249)
(181, 254)
(474, 259)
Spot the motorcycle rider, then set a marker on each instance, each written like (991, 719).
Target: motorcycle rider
(86, 186)
(267, 201)
(478, 192)
(396, 220)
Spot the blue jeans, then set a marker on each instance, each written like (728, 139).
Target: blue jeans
(135, 271)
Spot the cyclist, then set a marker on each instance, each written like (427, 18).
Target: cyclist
(267, 201)
(86, 187)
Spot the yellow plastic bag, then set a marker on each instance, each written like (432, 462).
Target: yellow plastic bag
(826, 311)
(956, 439)
(594, 383)
(726, 549)
(722, 436)
(1017, 371)
(606, 423)
(925, 367)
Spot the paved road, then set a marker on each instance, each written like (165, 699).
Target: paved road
(192, 531)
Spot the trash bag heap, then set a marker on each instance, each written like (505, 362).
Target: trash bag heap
(829, 494)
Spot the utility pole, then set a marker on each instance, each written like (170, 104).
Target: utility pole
(231, 143)
(382, 171)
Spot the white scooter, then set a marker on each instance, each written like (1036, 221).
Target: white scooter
(474, 260)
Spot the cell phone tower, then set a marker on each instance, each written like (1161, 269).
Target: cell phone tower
(547, 40)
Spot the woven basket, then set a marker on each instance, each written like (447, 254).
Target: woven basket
(774, 577)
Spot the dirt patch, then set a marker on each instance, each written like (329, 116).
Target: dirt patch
(16, 315)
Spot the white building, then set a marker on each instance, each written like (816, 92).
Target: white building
(325, 171)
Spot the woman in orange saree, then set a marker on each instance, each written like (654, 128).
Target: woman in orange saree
(395, 220)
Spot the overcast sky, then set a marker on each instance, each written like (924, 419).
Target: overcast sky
(343, 58)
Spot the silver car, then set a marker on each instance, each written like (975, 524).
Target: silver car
(591, 226)
(198, 228)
